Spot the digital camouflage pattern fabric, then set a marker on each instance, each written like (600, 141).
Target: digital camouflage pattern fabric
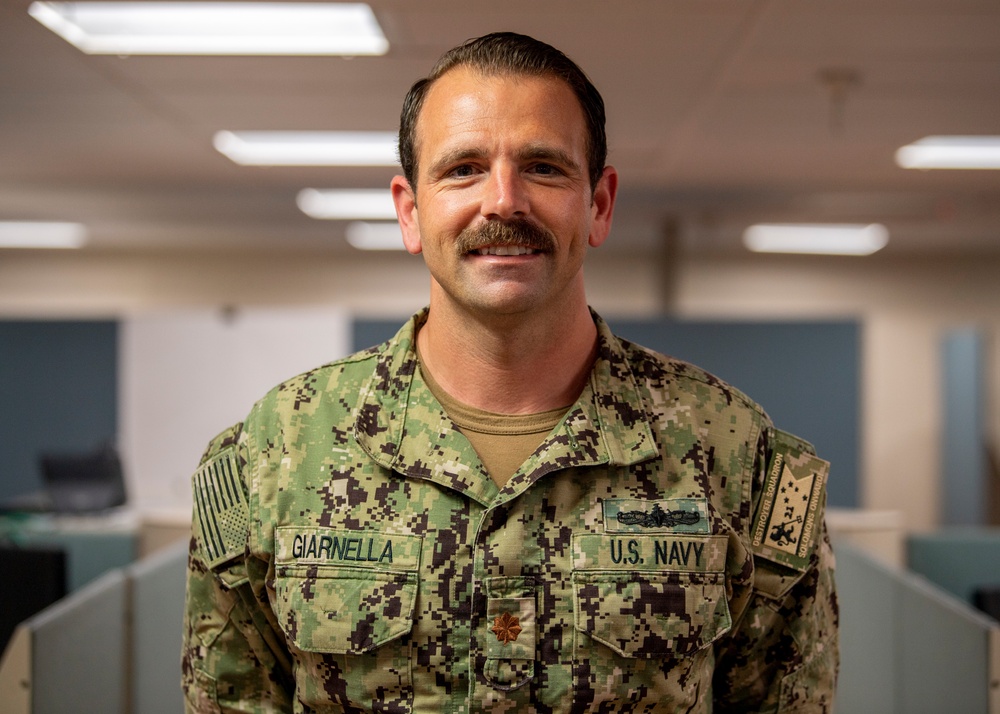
(350, 554)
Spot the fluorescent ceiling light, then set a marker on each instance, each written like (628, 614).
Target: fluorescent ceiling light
(817, 238)
(357, 203)
(214, 28)
(375, 236)
(40, 234)
(951, 152)
(308, 148)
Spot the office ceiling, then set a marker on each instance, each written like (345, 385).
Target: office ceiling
(721, 113)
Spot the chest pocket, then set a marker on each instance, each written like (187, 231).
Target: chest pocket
(650, 596)
(345, 592)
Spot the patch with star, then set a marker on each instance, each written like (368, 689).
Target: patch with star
(790, 513)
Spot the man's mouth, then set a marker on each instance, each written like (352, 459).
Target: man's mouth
(505, 238)
(505, 250)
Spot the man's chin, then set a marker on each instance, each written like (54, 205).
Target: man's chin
(505, 302)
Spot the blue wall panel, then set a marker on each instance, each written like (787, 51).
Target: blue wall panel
(963, 454)
(58, 392)
(806, 375)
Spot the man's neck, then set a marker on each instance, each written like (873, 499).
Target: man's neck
(510, 366)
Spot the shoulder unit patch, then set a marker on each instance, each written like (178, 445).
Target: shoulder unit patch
(790, 511)
(220, 509)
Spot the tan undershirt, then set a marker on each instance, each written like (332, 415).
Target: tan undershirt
(503, 441)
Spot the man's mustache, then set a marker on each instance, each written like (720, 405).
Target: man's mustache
(519, 231)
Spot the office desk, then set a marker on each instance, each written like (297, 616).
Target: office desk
(94, 544)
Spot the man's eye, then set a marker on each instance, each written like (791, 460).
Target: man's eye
(463, 171)
(545, 169)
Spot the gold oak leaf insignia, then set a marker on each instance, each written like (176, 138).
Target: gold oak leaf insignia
(506, 628)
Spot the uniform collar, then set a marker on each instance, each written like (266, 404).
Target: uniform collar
(403, 427)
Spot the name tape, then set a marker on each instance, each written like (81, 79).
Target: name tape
(318, 546)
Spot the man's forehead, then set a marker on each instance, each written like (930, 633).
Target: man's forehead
(456, 86)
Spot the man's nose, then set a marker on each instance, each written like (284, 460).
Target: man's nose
(504, 194)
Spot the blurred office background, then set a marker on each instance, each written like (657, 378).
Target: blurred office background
(722, 115)
(197, 279)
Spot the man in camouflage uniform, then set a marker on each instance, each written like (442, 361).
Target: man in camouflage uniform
(505, 508)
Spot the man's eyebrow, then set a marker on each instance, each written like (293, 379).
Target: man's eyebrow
(528, 153)
(548, 153)
(554, 155)
(456, 156)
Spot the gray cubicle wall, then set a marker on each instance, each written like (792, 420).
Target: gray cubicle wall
(157, 612)
(58, 392)
(908, 646)
(869, 670)
(78, 651)
(112, 647)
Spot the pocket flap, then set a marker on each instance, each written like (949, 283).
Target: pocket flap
(643, 614)
(344, 610)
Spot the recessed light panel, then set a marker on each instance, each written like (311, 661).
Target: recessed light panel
(308, 148)
(951, 152)
(41, 234)
(347, 204)
(816, 238)
(365, 235)
(214, 28)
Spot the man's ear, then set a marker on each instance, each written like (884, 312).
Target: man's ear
(603, 206)
(405, 200)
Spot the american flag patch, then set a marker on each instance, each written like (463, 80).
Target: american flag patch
(220, 509)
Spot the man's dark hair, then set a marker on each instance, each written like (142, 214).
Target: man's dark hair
(508, 53)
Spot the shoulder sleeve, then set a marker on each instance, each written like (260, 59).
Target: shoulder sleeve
(782, 655)
(231, 656)
(220, 515)
(789, 498)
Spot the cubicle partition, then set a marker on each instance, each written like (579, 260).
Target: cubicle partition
(157, 609)
(78, 650)
(112, 647)
(910, 647)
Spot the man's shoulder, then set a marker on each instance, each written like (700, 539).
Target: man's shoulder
(356, 362)
(658, 372)
(346, 376)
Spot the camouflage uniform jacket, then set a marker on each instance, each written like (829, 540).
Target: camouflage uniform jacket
(350, 554)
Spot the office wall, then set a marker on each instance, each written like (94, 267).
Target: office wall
(188, 374)
(904, 307)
